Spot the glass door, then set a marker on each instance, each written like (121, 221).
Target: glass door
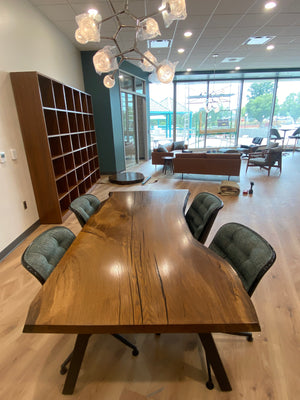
(129, 128)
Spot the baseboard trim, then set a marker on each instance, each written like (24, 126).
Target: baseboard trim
(18, 240)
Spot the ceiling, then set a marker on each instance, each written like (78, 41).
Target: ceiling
(219, 27)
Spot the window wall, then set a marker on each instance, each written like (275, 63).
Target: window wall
(216, 114)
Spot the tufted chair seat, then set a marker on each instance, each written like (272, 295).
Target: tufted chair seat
(85, 206)
(202, 213)
(43, 254)
(246, 251)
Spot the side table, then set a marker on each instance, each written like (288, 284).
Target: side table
(168, 164)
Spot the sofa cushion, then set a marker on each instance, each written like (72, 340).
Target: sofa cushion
(162, 149)
(178, 145)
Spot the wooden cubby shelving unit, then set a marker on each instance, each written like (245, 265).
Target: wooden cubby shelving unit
(59, 136)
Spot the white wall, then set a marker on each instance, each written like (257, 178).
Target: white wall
(28, 42)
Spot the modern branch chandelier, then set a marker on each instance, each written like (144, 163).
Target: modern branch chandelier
(109, 59)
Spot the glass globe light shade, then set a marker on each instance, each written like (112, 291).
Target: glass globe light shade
(148, 29)
(145, 65)
(89, 27)
(79, 37)
(104, 60)
(165, 72)
(109, 81)
(174, 10)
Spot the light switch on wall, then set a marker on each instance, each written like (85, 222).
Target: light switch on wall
(13, 153)
(2, 157)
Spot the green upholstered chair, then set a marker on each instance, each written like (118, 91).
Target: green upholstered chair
(85, 206)
(202, 213)
(250, 255)
(270, 158)
(41, 257)
(43, 254)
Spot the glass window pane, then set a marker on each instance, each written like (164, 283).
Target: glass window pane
(287, 109)
(161, 114)
(256, 110)
(139, 86)
(126, 81)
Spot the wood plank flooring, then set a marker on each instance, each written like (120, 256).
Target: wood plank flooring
(172, 367)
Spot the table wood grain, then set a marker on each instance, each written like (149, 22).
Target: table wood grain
(135, 267)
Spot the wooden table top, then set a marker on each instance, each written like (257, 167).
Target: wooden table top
(135, 267)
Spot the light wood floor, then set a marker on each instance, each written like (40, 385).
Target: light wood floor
(172, 367)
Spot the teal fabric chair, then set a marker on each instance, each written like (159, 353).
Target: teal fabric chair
(202, 214)
(43, 254)
(41, 257)
(85, 206)
(250, 255)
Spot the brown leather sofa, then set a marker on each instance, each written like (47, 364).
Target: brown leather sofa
(208, 163)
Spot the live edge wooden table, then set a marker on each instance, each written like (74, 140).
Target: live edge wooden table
(135, 267)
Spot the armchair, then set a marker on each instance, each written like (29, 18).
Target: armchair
(295, 136)
(274, 135)
(266, 159)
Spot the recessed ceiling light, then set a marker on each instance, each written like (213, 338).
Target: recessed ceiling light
(270, 4)
(180, 51)
(215, 55)
(237, 68)
(188, 34)
(188, 69)
(270, 47)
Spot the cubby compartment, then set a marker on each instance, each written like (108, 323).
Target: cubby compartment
(84, 156)
(90, 151)
(89, 105)
(59, 95)
(82, 140)
(80, 125)
(88, 183)
(69, 162)
(88, 137)
(64, 204)
(83, 102)
(75, 142)
(91, 165)
(69, 98)
(46, 91)
(59, 167)
(55, 146)
(79, 174)
(86, 122)
(77, 100)
(77, 158)
(66, 143)
(74, 194)
(71, 179)
(63, 122)
(72, 122)
(93, 137)
(86, 170)
(81, 188)
(51, 122)
(91, 122)
(62, 186)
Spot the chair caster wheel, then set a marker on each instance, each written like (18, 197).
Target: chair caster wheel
(135, 352)
(250, 338)
(210, 385)
(63, 370)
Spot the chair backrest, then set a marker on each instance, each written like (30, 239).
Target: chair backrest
(43, 254)
(297, 132)
(85, 206)
(274, 134)
(202, 213)
(274, 155)
(257, 140)
(246, 251)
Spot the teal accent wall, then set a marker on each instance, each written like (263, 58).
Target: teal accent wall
(107, 113)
